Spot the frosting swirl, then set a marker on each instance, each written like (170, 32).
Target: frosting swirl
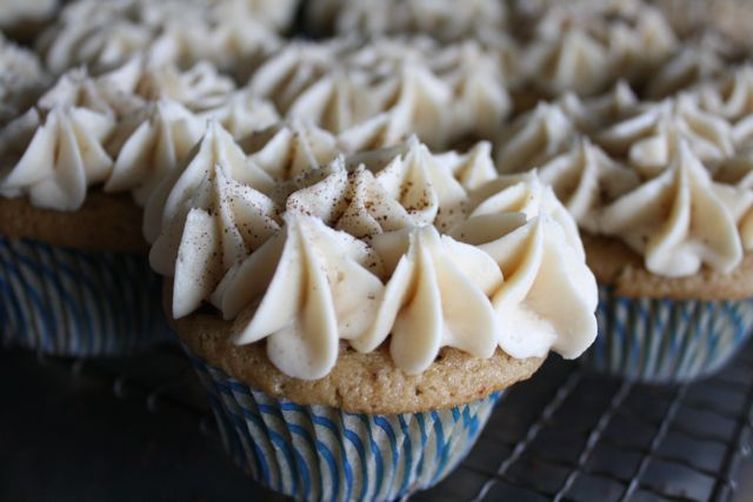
(647, 139)
(681, 219)
(54, 155)
(150, 146)
(534, 138)
(585, 179)
(167, 207)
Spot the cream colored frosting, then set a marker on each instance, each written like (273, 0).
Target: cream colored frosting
(731, 96)
(593, 114)
(585, 179)
(437, 296)
(357, 257)
(534, 138)
(575, 61)
(647, 138)
(289, 150)
(59, 147)
(201, 87)
(99, 45)
(167, 207)
(549, 295)
(681, 219)
(422, 183)
(295, 67)
(54, 155)
(694, 62)
(150, 146)
(477, 78)
(226, 221)
(313, 286)
(229, 34)
(241, 113)
(77, 88)
(522, 194)
(338, 100)
(349, 200)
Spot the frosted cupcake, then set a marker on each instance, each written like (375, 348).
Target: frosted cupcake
(355, 324)
(74, 258)
(664, 206)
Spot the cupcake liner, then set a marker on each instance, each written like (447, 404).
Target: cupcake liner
(67, 302)
(664, 340)
(324, 453)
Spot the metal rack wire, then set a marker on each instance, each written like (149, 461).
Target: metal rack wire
(564, 435)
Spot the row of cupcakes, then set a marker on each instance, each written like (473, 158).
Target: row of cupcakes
(566, 48)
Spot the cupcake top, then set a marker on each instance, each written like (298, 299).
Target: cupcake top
(670, 179)
(399, 246)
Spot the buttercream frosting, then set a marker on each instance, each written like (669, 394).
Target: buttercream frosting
(226, 221)
(167, 207)
(241, 113)
(575, 61)
(693, 62)
(548, 297)
(312, 286)
(534, 138)
(351, 252)
(54, 155)
(290, 149)
(681, 219)
(585, 179)
(730, 96)
(151, 145)
(646, 139)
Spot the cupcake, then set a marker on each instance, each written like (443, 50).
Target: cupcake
(354, 324)
(74, 258)
(663, 200)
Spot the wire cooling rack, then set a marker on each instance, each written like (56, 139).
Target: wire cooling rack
(564, 435)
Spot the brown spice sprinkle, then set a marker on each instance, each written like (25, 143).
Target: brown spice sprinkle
(105, 222)
(614, 263)
(359, 383)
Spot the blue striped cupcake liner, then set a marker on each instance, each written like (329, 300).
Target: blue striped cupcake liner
(66, 302)
(324, 453)
(667, 341)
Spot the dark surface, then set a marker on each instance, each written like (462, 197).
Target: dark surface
(138, 428)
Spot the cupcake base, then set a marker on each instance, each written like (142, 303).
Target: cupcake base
(61, 301)
(667, 341)
(320, 452)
